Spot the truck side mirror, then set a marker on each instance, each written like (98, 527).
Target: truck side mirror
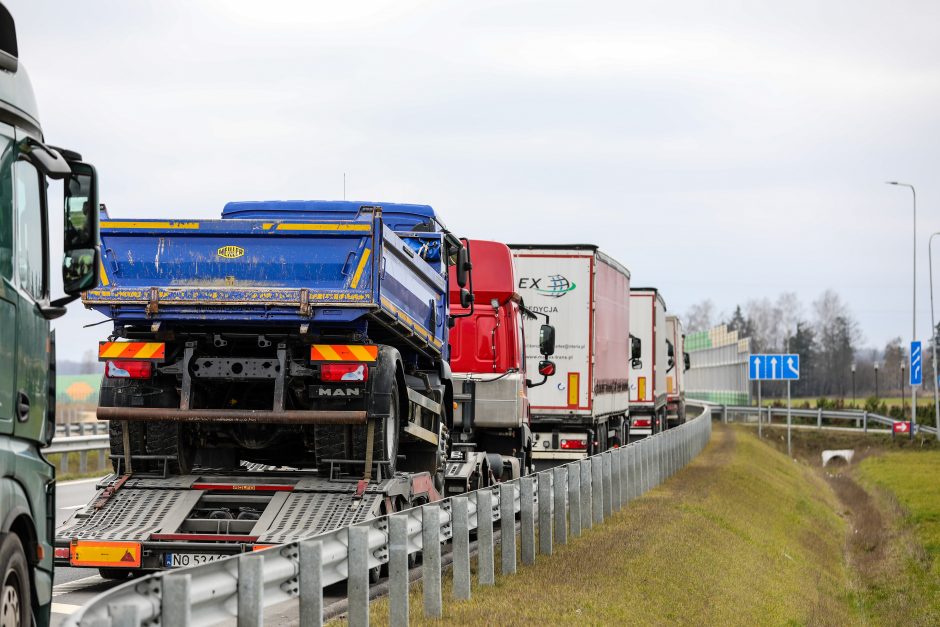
(546, 369)
(671, 354)
(80, 262)
(463, 267)
(466, 298)
(686, 361)
(547, 340)
(636, 348)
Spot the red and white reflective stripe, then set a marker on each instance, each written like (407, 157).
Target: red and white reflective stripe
(243, 487)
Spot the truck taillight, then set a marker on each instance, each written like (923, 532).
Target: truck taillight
(641, 422)
(577, 445)
(337, 373)
(127, 369)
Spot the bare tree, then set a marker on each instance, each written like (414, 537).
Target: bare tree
(700, 317)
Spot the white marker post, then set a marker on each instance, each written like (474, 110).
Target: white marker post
(760, 412)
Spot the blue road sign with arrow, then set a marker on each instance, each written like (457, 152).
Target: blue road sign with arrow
(917, 364)
(772, 367)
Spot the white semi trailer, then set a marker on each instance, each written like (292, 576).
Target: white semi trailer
(675, 377)
(649, 371)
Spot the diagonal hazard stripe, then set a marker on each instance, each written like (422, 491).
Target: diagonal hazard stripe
(326, 352)
(364, 353)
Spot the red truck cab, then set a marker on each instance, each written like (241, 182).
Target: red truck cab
(487, 360)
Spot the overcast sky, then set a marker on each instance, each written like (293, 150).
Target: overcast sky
(728, 153)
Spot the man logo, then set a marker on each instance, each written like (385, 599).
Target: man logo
(230, 252)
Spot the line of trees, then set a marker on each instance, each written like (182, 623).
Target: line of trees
(827, 338)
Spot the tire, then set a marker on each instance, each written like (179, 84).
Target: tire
(386, 436)
(113, 574)
(147, 438)
(15, 596)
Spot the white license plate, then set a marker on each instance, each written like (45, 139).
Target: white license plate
(182, 560)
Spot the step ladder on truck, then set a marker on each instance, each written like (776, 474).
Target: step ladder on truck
(272, 375)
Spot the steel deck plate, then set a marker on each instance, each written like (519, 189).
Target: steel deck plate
(129, 514)
(307, 514)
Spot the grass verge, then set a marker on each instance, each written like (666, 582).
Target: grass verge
(899, 568)
(742, 536)
(94, 466)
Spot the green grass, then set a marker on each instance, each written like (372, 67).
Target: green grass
(914, 479)
(742, 536)
(74, 467)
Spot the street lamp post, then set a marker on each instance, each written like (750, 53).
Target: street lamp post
(914, 313)
(933, 340)
(853, 385)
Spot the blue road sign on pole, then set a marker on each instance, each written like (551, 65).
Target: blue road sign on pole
(791, 367)
(772, 367)
(917, 364)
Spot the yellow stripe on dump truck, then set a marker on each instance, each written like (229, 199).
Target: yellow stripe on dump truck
(360, 268)
(110, 224)
(105, 554)
(344, 352)
(290, 226)
(150, 351)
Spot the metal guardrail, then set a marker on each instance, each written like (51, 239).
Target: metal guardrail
(560, 503)
(861, 419)
(81, 438)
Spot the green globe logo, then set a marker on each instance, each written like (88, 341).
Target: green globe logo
(558, 286)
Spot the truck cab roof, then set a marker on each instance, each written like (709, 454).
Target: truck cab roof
(399, 217)
(17, 102)
(493, 273)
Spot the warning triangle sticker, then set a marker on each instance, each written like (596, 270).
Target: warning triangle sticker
(128, 557)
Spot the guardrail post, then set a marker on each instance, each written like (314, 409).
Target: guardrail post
(82, 462)
(607, 473)
(63, 463)
(545, 513)
(175, 601)
(250, 590)
(527, 518)
(574, 498)
(819, 418)
(102, 458)
(485, 567)
(460, 512)
(311, 584)
(81, 428)
(124, 615)
(357, 593)
(431, 560)
(560, 486)
(865, 421)
(587, 518)
(724, 414)
(615, 484)
(597, 489)
(507, 528)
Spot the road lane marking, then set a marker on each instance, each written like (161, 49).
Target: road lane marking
(76, 585)
(65, 608)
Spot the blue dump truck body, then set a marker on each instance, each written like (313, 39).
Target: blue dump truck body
(318, 263)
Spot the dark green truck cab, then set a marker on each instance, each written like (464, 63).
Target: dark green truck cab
(27, 347)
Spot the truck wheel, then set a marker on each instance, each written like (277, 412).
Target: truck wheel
(329, 443)
(147, 438)
(385, 437)
(169, 438)
(15, 603)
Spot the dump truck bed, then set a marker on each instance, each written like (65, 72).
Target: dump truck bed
(274, 268)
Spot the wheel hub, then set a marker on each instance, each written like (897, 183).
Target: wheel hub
(10, 604)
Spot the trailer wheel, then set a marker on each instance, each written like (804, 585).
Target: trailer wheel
(113, 574)
(15, 599)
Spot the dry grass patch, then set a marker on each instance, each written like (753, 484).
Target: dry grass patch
(742, 536)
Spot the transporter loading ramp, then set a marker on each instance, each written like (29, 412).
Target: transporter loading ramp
(151, 522)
